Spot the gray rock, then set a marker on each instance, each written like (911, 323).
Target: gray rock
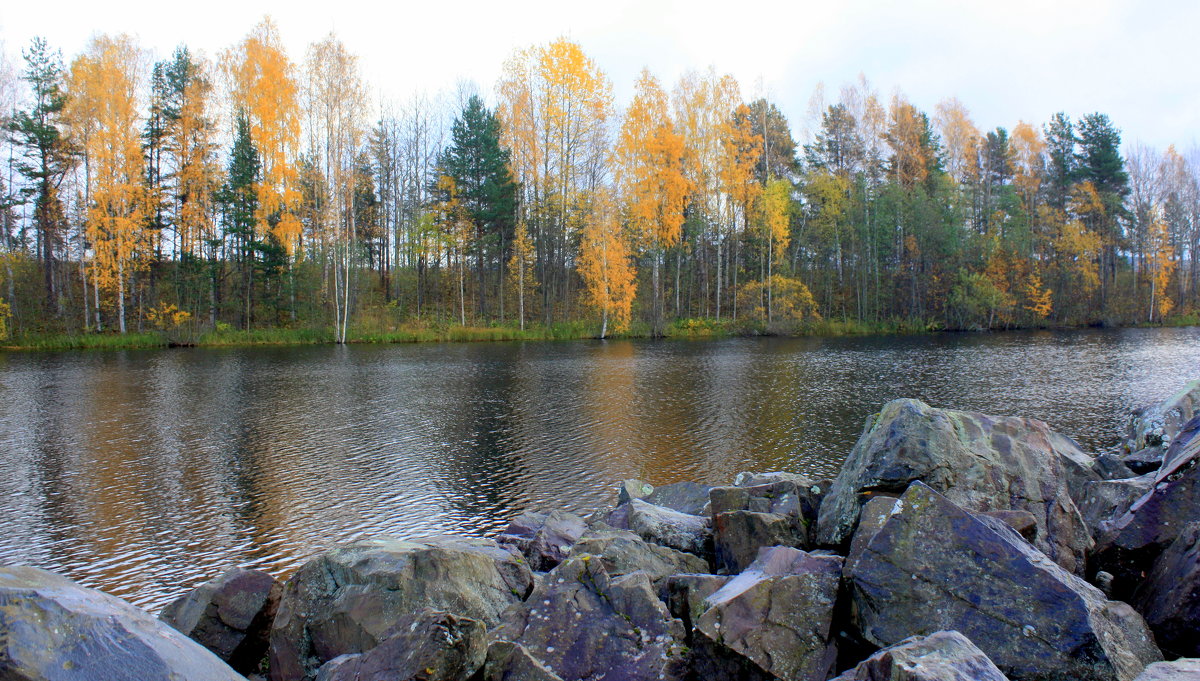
(679, 531)
(633, 489)
(1109, 466)
(1169, 598)
(753, 479)
(1159, 424)
(798, 499)
(686, 595)
(51, 628)
(623, 552)
(1133, 541)
(1105, 500)
(544, 539)
(941, 656)
(778, 614)
(1022, 522)
(1145, 460)
(230, 615)
(508, 661)
(583, 623)
(429, 645)
(1186, 442)
(982, 463)
(685, 497)
(1179, 670)
(345, 601)
(874, 514)
(738, 536)
(935, 566)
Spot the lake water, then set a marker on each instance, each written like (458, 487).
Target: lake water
(143, 473)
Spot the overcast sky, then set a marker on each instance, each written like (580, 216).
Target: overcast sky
(1006, 61)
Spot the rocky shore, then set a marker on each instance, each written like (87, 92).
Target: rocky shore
(952, 546)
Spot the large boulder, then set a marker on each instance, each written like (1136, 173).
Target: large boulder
(777, 615)
(51, 628)
(544, 539)
(1105, 500)
(685, 497)
(1185, 444)
(346, 600)
(623, 552)
(941, 656)
(1134, 540)
(230, 615)
(738, 536)
(934, 565)
(1169, 598)
(508, 661)
(429, 645)
(982, 463)
(582, 623)
(1179, 670)
(1158, 424)
(679, 531)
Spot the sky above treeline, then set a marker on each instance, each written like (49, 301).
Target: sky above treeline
(1137, 61)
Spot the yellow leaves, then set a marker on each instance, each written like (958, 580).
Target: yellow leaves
(1161, 265)
(776, 214)
(649, 165)
(167, 316)
(606, 266)
(961, 139)
(742, 149)
(5, 315)
(1027, 146)
(905, 135)
(703, 104)
(263, 85)
(104, 83)
(1037, 297)
(1078, 248)
(791, 301)
(196, 172)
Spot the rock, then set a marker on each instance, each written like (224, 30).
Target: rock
(1185, 444)
(230, 615)
(346, 600)
(738, 535)
(798, 499)
(1133, 541)
(685, 497)
(752, 479)
(874, 514)
(934, 565)
(1179, 670)
(941, 656)
(1109, 466)
(623, 552)
(52, 628)
(679, 531)
(777, 614)
(544, 539)
(429, 645)
(982, 463)
(508, 661)
(1169, 599)
(1023, 522)
(1145, 460)
(633, 489)
(1159, 424)
(686, 595)
(1105, 500)
(583, 623)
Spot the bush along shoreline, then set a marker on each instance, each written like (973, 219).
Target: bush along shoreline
(951, 546)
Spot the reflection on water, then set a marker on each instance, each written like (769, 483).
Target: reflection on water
(143, 473)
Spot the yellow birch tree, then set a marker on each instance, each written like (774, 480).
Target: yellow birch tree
(605, 265)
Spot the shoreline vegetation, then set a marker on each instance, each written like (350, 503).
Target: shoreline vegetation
(442, 332)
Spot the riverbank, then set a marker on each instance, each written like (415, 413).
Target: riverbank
(433, 332)
(951, 545)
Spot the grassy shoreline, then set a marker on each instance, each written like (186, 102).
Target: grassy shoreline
(454, 333)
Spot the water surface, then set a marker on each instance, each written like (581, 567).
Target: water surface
(145, 472)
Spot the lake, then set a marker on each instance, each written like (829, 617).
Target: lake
(145, 472)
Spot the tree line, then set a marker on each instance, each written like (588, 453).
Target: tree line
(249, 190)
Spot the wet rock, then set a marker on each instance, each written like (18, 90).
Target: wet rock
(679, 531)
(51, 628)
(584, 623)
(544, 539)
(983, 463)
(430, 646)
(777, 614)
(1169, 599)
(941, 656)
(1179, 670)
(1158, 424)
(1133, 541)
(230, 615)
(1105, 500)
(1145, 460)
(345, 601)
(508, 661)
(623, 552)
(738, 536)
(934, 566)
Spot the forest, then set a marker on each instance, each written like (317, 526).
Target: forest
(252, 191)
